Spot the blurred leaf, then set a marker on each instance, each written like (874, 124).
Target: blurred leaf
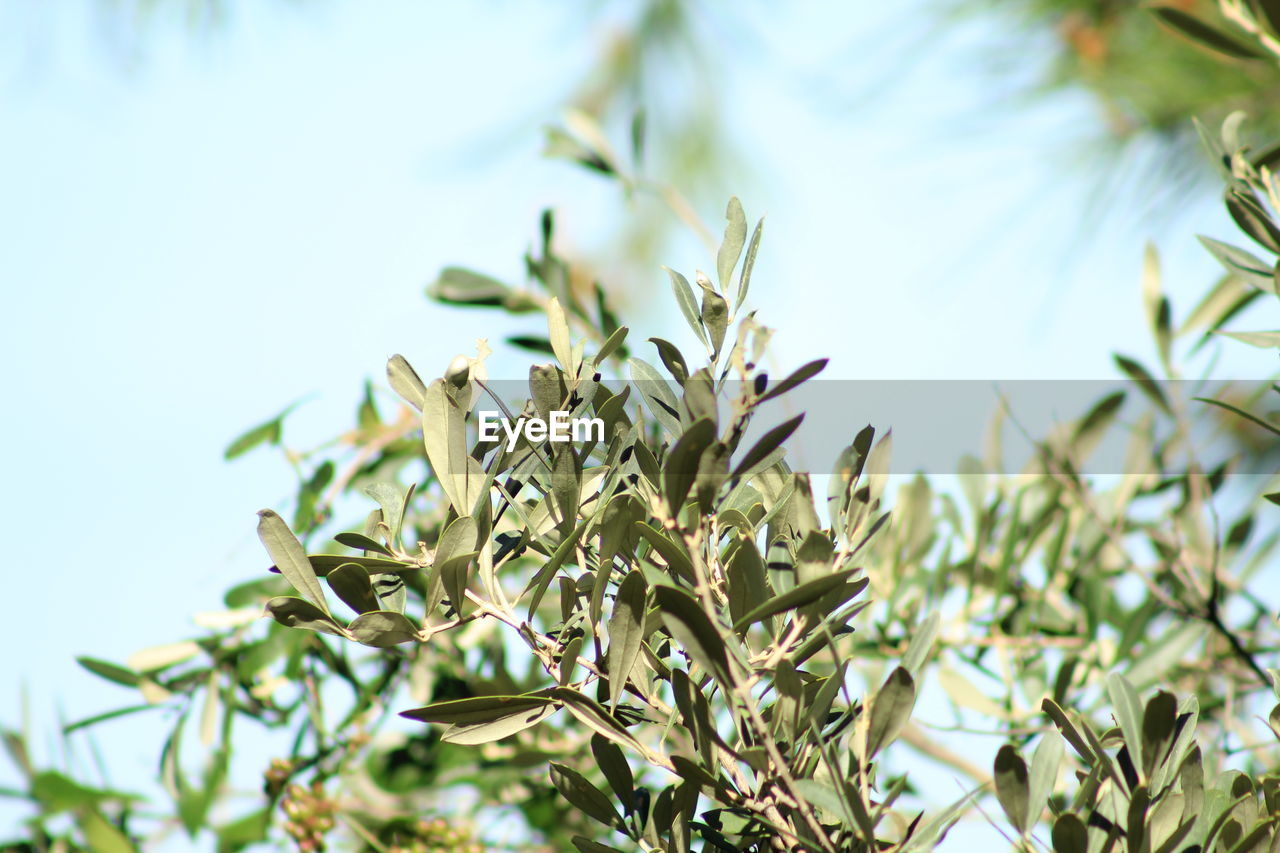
(748, 265)
(458, 286)
(1241, 412)
(1205, 35)
(890, 710)
(160, 657)
(103, 717)
(264, 433)
(110, 671)
(1262, 340)
(1146, 383)
(405, 382)
(1247, 267)
(101, 835)
(1012, 788)
(1070, 835)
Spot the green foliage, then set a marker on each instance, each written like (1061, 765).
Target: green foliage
(657, 638)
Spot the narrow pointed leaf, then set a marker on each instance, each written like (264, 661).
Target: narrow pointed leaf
(584, 796)
(768, 443)
(799, 376)
(799, 596)
(692, 629)
(626, 630)
(890, 710)
(688, 305)
(288, 555)
(748, 265)
(472, 734)
(735, 235)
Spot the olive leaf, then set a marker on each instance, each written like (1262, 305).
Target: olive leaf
(290, 558)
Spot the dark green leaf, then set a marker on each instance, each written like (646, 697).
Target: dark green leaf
(1012, 788)
(1207, 36)
(1145, 381)
(586, 845)
(799, 596)
(1070, 835)
(674, 554)
(110, 671)
(596, 717)
(768, 443)
(1269, 427)
(350, 582)
(584, 796)
(457, 286)
(681, 466)
(613, 764)
(532, 343)
(104, 716)
(692, 630)
(361, 543)
(890, 710)
(612, 344)
(268, 433)
(800, 375)
(672, 359)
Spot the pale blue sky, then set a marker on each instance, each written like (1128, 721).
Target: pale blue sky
(244, 219)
